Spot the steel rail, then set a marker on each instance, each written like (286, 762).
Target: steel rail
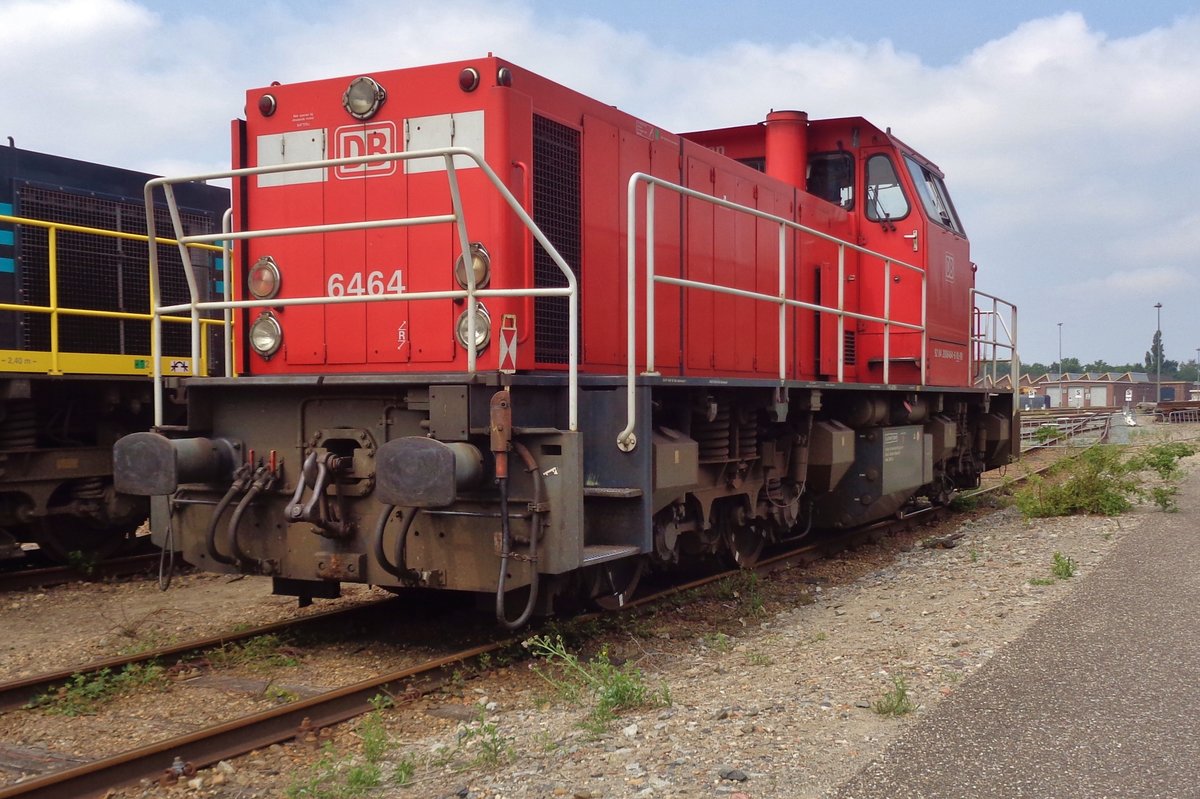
(24, 579)
(239, 736)
(17, 693)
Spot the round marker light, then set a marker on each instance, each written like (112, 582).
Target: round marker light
(264, 279)
(483, 328)
(266, 335)
(267, 105)
(363, 98)
(504, 76)
(481, 265)
(468, 79)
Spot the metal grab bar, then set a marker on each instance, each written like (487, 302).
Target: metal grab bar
(992, 334)
(626, 440)
(56, 311)
(456, 217)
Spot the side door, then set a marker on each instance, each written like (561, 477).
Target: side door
(894, 228)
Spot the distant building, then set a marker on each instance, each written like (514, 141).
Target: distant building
(1098, 389)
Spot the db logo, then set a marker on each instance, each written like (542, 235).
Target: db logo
(354, 141)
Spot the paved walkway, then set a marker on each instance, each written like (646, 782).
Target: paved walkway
(1099, 698)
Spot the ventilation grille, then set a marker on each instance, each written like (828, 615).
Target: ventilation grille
(100, 273)
(849, 343)
(556, 212)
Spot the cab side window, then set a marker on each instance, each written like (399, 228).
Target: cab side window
(885, 196)
(831, 177)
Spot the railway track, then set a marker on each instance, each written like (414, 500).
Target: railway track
(179, 756)
(42, 577)
(18, 693)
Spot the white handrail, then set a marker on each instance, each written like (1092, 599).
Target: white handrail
(992, 333)
(626, 440)
(457, 217)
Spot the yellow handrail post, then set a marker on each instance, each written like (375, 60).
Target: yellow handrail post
(52, 243)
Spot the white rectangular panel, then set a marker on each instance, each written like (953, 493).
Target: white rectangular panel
(443, 130)
(293, 147)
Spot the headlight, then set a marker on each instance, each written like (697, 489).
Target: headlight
(266, 335)
(481, 264)
(263, 280)
(483, 328)
(363, 98)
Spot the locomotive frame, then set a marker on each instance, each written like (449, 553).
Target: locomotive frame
(339, 461)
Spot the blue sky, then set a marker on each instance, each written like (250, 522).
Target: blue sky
(1068, 132)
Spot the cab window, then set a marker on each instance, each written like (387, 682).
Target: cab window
(885, 196)
(934, 197)
(831, 177)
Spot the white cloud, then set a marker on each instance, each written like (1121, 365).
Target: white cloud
(1070, 153)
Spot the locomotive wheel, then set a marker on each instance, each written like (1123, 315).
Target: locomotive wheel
(743, 545)
(67, 540)
(614, 583)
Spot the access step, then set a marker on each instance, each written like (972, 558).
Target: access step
(611, 493)
(600, 553)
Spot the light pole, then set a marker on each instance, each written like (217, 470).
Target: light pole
(1062, 396)
(1158, 353)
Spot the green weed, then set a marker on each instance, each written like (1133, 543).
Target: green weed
(1103, 481)
(403, 771)
(280, 694)
(84, 693)
(260, 652)
(1098, 482)
(1064, 567)
(82, 562)
(609, 687)
(895, 702)
(718, 642)
(961, 503)
(758, 659)
(1163, 459)
(337, 775)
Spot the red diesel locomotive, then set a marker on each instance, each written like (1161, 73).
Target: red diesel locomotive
(495, 336)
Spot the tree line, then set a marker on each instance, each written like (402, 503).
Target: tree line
(1171, 369)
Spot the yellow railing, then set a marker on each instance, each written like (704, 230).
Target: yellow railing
(56, 362)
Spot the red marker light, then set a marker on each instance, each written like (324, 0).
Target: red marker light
(468, 79)
(266, 105)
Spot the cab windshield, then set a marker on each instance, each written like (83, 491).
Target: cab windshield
(934, 197)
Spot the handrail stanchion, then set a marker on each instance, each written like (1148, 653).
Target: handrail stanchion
(925, 329)
(464, 243)
(651, 366)
(887, 327)
(52, 246)
(626, 440)
(188, 272)
(782, 304)
(841, 311)
(155, 303)
(227, 286)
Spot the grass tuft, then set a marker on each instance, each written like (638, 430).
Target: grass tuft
(895, 702)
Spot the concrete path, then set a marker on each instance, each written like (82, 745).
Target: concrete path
(1099, 698)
